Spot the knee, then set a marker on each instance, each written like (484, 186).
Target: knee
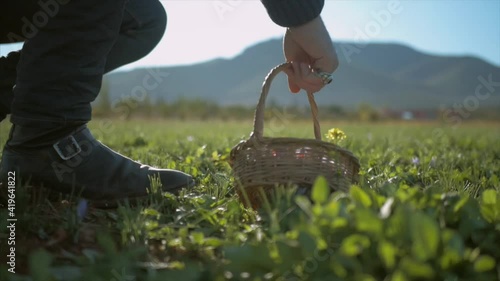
(158, 21)
(144, 25)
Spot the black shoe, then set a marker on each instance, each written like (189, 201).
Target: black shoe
(80, 164)
(7, 80)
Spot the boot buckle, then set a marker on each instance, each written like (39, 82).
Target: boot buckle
(67, 148)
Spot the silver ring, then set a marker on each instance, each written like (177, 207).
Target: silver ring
(325, 76)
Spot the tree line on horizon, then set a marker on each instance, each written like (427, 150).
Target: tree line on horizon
(200, 109)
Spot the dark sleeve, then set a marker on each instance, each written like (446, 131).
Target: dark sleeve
(290, 13)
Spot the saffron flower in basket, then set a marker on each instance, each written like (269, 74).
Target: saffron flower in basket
(335, 136)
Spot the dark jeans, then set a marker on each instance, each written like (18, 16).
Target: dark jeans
(69, 45)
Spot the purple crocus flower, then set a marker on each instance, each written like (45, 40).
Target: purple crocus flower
(415, 161)
(81, 209)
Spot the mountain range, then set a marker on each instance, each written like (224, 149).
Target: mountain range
(380, 74)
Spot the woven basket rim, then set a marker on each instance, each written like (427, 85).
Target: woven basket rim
(251, 143)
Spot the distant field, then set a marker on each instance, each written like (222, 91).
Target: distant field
(420, 211)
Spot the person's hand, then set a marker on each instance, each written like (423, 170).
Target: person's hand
(308, 48)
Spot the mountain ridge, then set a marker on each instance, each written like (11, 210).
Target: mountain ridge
(380, 74)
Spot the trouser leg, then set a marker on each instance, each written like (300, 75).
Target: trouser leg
(61, 67)
(142, 27)
(15, 19)
(7, 80)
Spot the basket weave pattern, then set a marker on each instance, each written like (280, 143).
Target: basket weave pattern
(262, 162)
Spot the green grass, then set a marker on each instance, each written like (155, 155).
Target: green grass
(420, 212)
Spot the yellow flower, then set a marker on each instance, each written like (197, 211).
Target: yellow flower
(335, 135)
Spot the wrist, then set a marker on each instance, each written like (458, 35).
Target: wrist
(312, 32)
(315, 40)
(312, 24)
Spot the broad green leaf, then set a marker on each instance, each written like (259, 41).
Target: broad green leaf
(489, 197)
(449, 259)
(39, 265)
(248, 258)
(307, 243)
(106, 242)
(360, 196)
(368, 221)
(339, 222)
(176, 242)
(304, 203)
(339, 269)
(494, 181)
(321, 244)
(320, 191)
(289, 254)
(454, 249)
(274, 252)
(484, 263)
(458, 206)
(387, 252)
(176, 265)
(490, 207)
(194, 171)
(151, 225)
(354, 244)
(398, 276)
(489, 212)
(471, 219)
(425, 236)
(183, 232)
(213, 242)
(416, 269)
(197, 238)
(472, 254)
(332, 208)
(317, 210)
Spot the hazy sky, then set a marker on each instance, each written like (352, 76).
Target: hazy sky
(202, 30)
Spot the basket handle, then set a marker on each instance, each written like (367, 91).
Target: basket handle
(258, 126)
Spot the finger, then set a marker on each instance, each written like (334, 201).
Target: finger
(294, 88)
(305, 71)
(296, 69)
(328, 64)
(288, 71)
(292, 85)
(308, 80)
(300, 76)
(309, 76)
(296, 77)
(310, 84)
(313, 88)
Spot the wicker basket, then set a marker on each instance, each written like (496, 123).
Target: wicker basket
(262, 162)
